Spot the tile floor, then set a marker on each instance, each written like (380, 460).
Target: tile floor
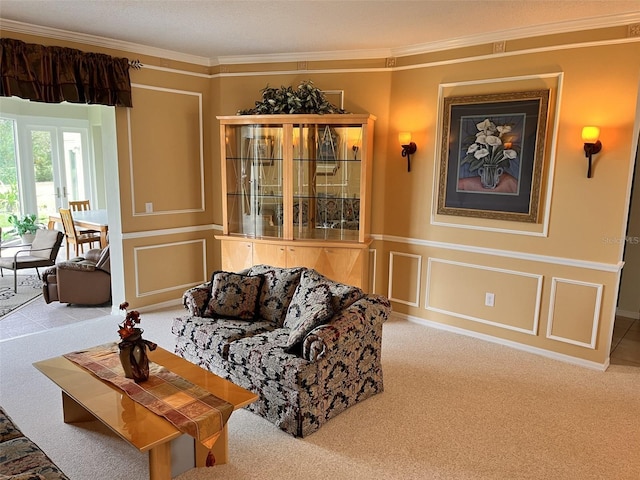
(37, 316)
(625, 347)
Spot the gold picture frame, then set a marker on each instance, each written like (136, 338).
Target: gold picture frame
(492, 155)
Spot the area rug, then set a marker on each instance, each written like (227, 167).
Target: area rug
(29, 287)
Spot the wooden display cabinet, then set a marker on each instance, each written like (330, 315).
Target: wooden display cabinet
(297, 192)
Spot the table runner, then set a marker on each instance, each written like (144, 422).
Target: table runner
(190, 408)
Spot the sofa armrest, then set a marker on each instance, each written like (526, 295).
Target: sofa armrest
(195, 299)
(93, 255)
(78, 264)
(351, 325)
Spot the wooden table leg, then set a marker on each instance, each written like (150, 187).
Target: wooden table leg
(160, 462)
(103, 237)
(73, 412)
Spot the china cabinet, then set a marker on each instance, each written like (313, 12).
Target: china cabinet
(296, 191)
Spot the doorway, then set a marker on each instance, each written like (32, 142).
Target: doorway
(625, 345)
(47, 158)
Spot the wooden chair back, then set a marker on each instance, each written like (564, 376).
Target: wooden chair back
(79, 205)
(71, 234)
(67, 223)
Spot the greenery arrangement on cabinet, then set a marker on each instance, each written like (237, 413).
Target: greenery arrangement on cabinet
(306, 98)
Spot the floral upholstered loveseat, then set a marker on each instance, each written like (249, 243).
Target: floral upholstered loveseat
(308, 346)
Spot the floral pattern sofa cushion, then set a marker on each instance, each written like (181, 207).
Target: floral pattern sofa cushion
(234, 296)
(332, 367)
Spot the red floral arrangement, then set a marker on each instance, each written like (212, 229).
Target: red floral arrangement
(128, 326)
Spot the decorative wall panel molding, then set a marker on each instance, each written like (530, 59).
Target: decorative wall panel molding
(461, 288)
(197, 96)
(576, 324)
(403, 279)
(156, 266)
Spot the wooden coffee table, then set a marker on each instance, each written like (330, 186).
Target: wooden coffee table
(85, 397)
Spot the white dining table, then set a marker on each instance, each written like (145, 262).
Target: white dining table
(93, 219)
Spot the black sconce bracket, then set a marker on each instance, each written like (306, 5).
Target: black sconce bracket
(589, 150)
(407, 151)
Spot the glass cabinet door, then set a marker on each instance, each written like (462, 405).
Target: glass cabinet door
(254, 175)
(326, 181)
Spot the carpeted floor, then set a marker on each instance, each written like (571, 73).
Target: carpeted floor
(454, 407)
(29, 287)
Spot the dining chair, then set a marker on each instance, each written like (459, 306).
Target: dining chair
(41, 253)
(75, 237)
(79, 205)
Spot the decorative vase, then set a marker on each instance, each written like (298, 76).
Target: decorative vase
(133, 357)
(27, 238)
(490, 175)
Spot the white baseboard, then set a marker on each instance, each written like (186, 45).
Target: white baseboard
(508, 343)
(628, 314)
(115, 309)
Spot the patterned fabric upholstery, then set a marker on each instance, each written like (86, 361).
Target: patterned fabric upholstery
(20, 458)
(234, 296)
(279, 286)
(337, 365)
(195, 299)
(310, 307)
(341, 295)
(215, 334)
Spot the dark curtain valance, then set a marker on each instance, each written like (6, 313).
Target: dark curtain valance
(57, 74)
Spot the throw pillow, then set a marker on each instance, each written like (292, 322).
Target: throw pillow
(277, 291)
(342, 295)
(234, 296)
(309, 308)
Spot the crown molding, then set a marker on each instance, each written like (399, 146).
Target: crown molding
(517, 33)
(306, 56)
(38, 30)
(460, 42)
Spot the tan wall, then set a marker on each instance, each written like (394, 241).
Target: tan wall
(577, 290)
(555, 281)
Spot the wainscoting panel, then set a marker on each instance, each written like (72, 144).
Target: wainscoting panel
(161, 268)
(404, 278)
(460, 289)
(173, 128)
(574, 312)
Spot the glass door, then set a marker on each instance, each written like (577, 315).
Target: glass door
(326, 181)
(39, 188)
(54, 170)
(254, 171)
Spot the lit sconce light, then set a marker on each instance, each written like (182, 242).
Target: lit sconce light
(591, 144)
(408, 147)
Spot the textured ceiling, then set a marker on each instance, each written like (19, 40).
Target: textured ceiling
(215, 29)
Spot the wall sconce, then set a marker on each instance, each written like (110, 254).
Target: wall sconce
(591, 144)
(408, 147)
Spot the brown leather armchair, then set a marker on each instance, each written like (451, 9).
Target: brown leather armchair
(81, 280)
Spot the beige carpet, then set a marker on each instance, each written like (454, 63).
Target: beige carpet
(29, 287)
(453, 408)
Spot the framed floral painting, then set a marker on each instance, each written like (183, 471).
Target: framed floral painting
(492, 155)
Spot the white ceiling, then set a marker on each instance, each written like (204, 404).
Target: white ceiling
(226, 31)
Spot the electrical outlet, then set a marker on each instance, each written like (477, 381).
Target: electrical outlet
(489, 299)
(148, 207)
